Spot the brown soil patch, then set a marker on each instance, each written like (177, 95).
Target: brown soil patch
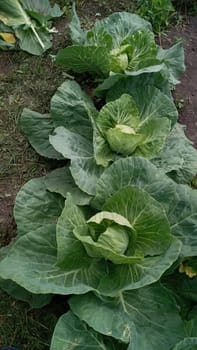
(187, 89)
(6, 64)
(7, 224)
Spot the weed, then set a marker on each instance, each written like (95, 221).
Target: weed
(159, 12)
(180, 103)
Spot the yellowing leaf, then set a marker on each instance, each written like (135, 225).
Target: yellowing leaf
(188, 267)
(8, 37)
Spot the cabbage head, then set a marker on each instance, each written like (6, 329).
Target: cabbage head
(120, 130)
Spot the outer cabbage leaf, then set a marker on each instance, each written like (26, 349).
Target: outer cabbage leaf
(190, 340)
(148, 318)
(111, 320)
(174, 61)
(33, 43)
(178, 158)
(193, 319)
(182, 216)
(35, 206)
(71, 217)
(86, 173)
(117, 84)
(61, 181)
(179, 201)
(187, 344)
(191, 327)
(70, 144)
(36, 301)
(77, 34)
(41, 11)
(83, 167)
(71, 333)
(69, 108)
(18, 292)
(37, 127)
(81, 59)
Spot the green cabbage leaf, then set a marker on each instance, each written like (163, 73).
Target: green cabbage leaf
(71, 333)
(147, 318)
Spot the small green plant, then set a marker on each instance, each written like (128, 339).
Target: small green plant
(180, 103)
(158, 12)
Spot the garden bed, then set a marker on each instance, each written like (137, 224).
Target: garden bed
(24, 84)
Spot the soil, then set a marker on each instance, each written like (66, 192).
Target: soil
(186, 92)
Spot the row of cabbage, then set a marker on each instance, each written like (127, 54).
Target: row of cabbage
(115, 227)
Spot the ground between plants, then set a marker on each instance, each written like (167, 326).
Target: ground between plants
(28, 81)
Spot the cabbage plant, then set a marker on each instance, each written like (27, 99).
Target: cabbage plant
(139, 123)
(119, 255)
(121, 44)
(124, 236)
